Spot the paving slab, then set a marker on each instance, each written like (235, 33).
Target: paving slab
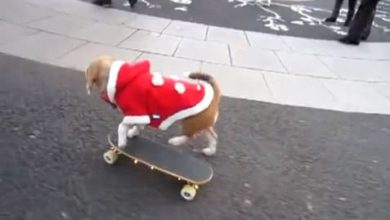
(302, 91)
(249, 85)
(227, 36)
(82, 56)
(167, 65)
(266, 41)
(62, 24)
(19, 12)
(103, 33)
(11, 32)
(358, 96)
(43, 47)
(361, 70)
(148, 23)
(203, 51)
(186, 29)
(151, 42)
(258, 58)
(303, 64)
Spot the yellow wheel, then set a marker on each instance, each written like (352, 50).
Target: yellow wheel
(188, 192)
(110, 156)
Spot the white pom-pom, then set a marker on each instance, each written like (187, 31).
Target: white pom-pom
(157, 79)
(180, 88)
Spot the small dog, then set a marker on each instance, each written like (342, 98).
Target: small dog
(336, 11)
(150, 99)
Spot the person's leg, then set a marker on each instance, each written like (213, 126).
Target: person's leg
(367, 30)
(360, 22)
(351, 12)
(335, 12)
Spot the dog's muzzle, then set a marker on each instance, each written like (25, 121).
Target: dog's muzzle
(104, 96)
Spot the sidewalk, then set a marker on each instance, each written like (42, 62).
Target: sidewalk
(255, 66)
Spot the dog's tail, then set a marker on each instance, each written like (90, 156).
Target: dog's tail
(209, 79)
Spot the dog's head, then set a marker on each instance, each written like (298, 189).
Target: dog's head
(96, 76)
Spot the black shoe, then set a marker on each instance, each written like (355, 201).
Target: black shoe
(102, 2)
(347, 22)
(132, 3)
(347, 40)
(331, 19)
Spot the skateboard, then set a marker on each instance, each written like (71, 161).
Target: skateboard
(186, 168)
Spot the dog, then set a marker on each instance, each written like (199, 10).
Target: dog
(336, 11)
(150, 99)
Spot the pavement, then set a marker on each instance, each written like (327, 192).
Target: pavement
(321, 74)
(273, 162)
(304, 127)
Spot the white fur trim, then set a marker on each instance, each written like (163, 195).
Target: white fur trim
(143, 119)
(202, 105)
(112, 78)
(186, 74)
(157, 79)
(198, 86)
(174, 77)
(180, 88)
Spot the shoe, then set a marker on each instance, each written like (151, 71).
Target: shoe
(347, 22)
(331, 19)
(132, 3)
(102, 2)
(347, 40)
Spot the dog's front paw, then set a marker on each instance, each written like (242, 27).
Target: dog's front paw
(133, 132)
(176, 141)
(122, 143)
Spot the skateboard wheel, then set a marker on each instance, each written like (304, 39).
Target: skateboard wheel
(110, 157)
(188, 192)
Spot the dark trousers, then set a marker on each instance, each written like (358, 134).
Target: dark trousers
(361, 24)
(337, 7)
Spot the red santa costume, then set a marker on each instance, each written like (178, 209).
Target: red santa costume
(149, 98)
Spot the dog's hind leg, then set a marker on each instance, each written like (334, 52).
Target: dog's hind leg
(212, 138)
(178, 140)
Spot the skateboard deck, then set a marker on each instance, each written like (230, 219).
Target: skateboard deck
(159, 157)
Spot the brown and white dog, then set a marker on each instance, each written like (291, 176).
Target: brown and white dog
(150, 99)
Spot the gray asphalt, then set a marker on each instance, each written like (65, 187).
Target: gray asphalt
(227, 13)
(274, 162)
